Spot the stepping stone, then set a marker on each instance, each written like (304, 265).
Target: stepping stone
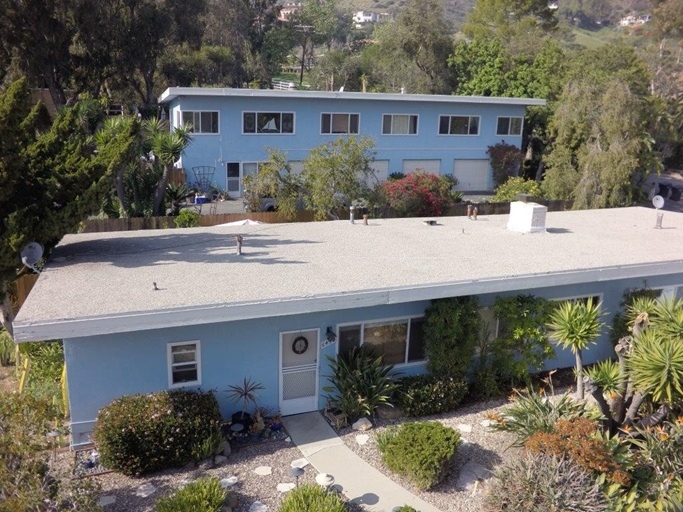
(299, 463)
(470, 474)
(263, 471)
(106, 500)
(257, 506)
(462, 427)
(285, 487)
(228, 482)
(362, 424)
(389, 413)
(362, 439)
(145, 490)
(487, 423)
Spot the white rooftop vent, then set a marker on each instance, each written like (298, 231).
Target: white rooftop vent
(527, 217)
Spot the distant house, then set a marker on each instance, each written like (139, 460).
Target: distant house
(288, 10)
(438, 133)
(146, 311)
(363, 17)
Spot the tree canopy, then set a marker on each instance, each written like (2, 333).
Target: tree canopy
(52, 175)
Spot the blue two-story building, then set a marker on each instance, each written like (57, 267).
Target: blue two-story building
(440, 134)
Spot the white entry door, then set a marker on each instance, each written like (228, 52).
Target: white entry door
(299, 371)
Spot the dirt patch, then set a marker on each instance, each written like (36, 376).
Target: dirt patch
(8, 381)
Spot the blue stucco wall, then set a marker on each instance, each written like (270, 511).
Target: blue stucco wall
(102, 368)
(230, 145)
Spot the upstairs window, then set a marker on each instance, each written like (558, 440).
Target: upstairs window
(509, 126)
(339, 123)
(200, 121)
(184, 364)
(458, 125)
(397, 341)
(399, 124)
(268, 122)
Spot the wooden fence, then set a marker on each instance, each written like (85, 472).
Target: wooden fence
(140, 223)
(22, 288)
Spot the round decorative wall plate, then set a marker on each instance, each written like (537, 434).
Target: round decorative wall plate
(300, 345)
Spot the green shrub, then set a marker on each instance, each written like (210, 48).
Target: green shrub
(451, 333)
(508, 191)
(424, 394)
(406, 508)
(311, 498)
(534, 412)
(385, 437)
(138, 434)
(208, 447)
(7, 348)
(422, 452)
(187, 219)
(544, 483)
(203, 495)
(25, 480)
(360, 382)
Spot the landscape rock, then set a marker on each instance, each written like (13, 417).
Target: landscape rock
(226, 449)
(487, 423)
(145, 490)
(206, 464)
(362, 439)
(257, 506)
(470, 474)
(462, 427)
(106, 500)
(232, 500)
(264, 470)
(229, 482)
(387, 412)
(299, 463)
(285, 487)
(362, 424)
(220, 460)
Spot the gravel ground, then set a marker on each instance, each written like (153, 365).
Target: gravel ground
(484, 446)
(241, 463)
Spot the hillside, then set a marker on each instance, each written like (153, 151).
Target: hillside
(595, 15)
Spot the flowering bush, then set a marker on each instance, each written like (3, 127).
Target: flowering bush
(138, 434)
(420, 194)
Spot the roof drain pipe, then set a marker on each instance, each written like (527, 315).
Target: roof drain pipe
(239, 239)
(351, 210)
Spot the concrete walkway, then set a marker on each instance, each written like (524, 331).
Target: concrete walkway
(359, 481)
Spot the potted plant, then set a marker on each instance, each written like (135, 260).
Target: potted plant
(245, 393)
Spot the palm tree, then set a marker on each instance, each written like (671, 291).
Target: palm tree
(167, 148)
(576, 325)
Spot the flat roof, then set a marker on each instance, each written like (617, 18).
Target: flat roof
(172, 93)
(102, 283)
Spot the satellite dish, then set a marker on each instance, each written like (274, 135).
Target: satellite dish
(658, 202)
(31, 254)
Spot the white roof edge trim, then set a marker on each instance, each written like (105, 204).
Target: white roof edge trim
(173, 93)
(198, 315)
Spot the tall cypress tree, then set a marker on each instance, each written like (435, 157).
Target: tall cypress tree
(52, 176)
